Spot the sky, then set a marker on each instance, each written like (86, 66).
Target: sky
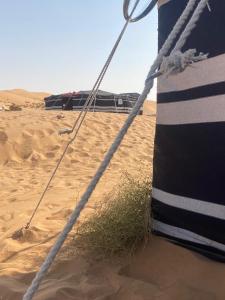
(59, 46)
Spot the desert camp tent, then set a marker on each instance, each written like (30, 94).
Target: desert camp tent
(189, 160)
(104, 101)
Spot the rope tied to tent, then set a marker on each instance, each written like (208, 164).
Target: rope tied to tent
(177, 62)
(148, 85)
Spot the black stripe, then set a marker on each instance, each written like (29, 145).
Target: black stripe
(81, 102)
(209, 90)
(207, 37)
(206, 226)
(54, 103)
(104, 103)
(189, 160)
(207, 251)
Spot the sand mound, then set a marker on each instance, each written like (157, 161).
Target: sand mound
(160, 271)
(22, 98)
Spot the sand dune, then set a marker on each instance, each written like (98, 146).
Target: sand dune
(22, 97)
(29, 149)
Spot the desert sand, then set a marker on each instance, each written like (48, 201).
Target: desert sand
(29, 149)
(22, 97)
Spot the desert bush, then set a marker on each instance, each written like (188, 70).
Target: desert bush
(120, 224)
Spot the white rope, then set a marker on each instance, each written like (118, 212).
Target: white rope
(84, 199)
(191, 25)
(209, 7)
(177, 62)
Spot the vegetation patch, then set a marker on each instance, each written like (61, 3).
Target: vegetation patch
(120, 224)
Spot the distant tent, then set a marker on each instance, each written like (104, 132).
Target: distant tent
(188, 202)
(104, 101)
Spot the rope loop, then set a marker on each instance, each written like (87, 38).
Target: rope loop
(177, 62)
(147, 10)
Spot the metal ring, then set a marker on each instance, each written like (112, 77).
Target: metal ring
(149, 8)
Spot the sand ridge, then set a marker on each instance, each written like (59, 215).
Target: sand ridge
(21, 97)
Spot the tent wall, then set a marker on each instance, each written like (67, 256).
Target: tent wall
(104, 102)
(188, 204)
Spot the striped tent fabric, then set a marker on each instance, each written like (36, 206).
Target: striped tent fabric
(188, 204)
(103, 102)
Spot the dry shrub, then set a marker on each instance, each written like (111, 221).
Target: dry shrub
(121, 223)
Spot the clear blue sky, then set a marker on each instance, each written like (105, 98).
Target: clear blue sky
(61, 45)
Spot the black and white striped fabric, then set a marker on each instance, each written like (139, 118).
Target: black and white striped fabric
(188, 204)
(103, 102)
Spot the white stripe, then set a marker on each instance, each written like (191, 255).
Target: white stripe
(184, 234)
(202, 73)
(204, 110)
(190, 204)
(106, 99)
(105, 108)
(97, 99)
(132, 101)
(53, 107)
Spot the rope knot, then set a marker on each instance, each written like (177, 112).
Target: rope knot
(177, 62)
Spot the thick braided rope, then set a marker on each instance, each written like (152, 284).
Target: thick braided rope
(81, 117)
(191, 25)
(84, 199)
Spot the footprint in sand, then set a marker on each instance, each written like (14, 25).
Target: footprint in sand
(24, 149)
(61, 214)
(20, 179)
(12, 199)
(51, 206)
(50, 154)
(49, 131)
(31, 132)
(40, 133)
(70, 150)
(34, 182)
(74, 161)
(26, 134)
(83, 153)
(3, 137)
(7, 217)
(4, 229)
(55, 147)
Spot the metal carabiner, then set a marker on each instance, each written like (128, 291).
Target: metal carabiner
(148, 9)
